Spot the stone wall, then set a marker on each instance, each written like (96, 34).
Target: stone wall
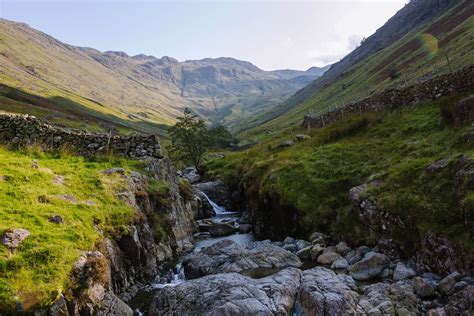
(461, 81)
(26, 129)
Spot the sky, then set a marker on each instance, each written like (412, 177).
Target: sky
(270, 34)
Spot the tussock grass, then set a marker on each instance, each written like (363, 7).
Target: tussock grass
(36, 272)
(396, 147)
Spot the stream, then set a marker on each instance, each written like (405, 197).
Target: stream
(176, 275)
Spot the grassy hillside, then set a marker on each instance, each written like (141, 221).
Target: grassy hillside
(313, 177)
(141, 92)
(38, 270)
(419, 54)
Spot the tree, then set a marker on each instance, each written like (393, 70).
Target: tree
(189, 139)
(220, 137)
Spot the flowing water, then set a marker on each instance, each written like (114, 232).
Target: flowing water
(176, 275)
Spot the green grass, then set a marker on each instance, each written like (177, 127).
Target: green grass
(315, 175)
(36, 272)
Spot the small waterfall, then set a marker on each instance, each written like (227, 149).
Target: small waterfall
(178, 278)
(219, 210)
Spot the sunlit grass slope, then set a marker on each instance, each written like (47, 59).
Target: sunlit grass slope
(37, 271)
(315, 175)
(418, 55)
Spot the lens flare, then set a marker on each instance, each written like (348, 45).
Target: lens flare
(429, 43)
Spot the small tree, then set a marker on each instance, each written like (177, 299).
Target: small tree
(220, 137)
(189, 139)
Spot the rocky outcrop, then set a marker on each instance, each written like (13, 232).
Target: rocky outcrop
(370, 266)
(230, 294)
(27, 129)
(103, 279)
(228, 256)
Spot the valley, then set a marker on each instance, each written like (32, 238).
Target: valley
(137, 185)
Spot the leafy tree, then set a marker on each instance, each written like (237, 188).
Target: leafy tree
(189, 139)
(220, 137)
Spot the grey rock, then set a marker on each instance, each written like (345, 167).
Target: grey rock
(304, 253)
(323, 292)
(57, 219)
(300, 244)
(191, 174)
(12, 238)
(437, 165)
(245, 228)
(370, 266)
(328, 258)
(230, 294)
(342, 248)
(228, 256)
(114, 170)
(340, 264)
(221, 229)
(402, 272)
(112, 305)
(217, 191)
(289, 240)
(446, 284)
(459, 286)
(316, 251)
(423, 287)
(290, 247)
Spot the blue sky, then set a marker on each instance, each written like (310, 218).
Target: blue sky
(270, 34)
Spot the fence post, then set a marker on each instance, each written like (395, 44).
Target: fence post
(449, 63)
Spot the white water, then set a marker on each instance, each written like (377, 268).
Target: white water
(178, 278)
(219, 210)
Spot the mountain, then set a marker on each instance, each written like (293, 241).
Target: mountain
(413, 45)
(135, 91)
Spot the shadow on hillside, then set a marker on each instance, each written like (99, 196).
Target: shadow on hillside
(73, 111)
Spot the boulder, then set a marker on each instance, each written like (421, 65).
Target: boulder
(316, 251)
(323, 292)
(402, 272)
(230, 294)
(204, 209)
(356, 255)
(340, 264)
(300, 244)
(245, 228)
(328, 258)
(290, 247)
(304, 253)
(289, 240)
(370, 266)
(286, 143)
(446, 284)
(342, 248)
(228, 256)
(423, 287)
(301, 137)
(221, 229)
(12, 238)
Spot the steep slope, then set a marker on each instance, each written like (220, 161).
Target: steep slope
(411, 46)
(140, 89)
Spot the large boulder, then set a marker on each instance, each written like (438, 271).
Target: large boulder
(370, 266)
(218, 229)
(204, 209)
(402, 272)
(228, 256)
(217, 191)
(323, 292)
(230, 294)
(328, 257)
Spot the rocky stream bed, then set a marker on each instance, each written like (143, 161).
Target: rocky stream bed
(230, 273)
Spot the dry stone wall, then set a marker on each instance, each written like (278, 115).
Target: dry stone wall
(26, 129)
(461, 81)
